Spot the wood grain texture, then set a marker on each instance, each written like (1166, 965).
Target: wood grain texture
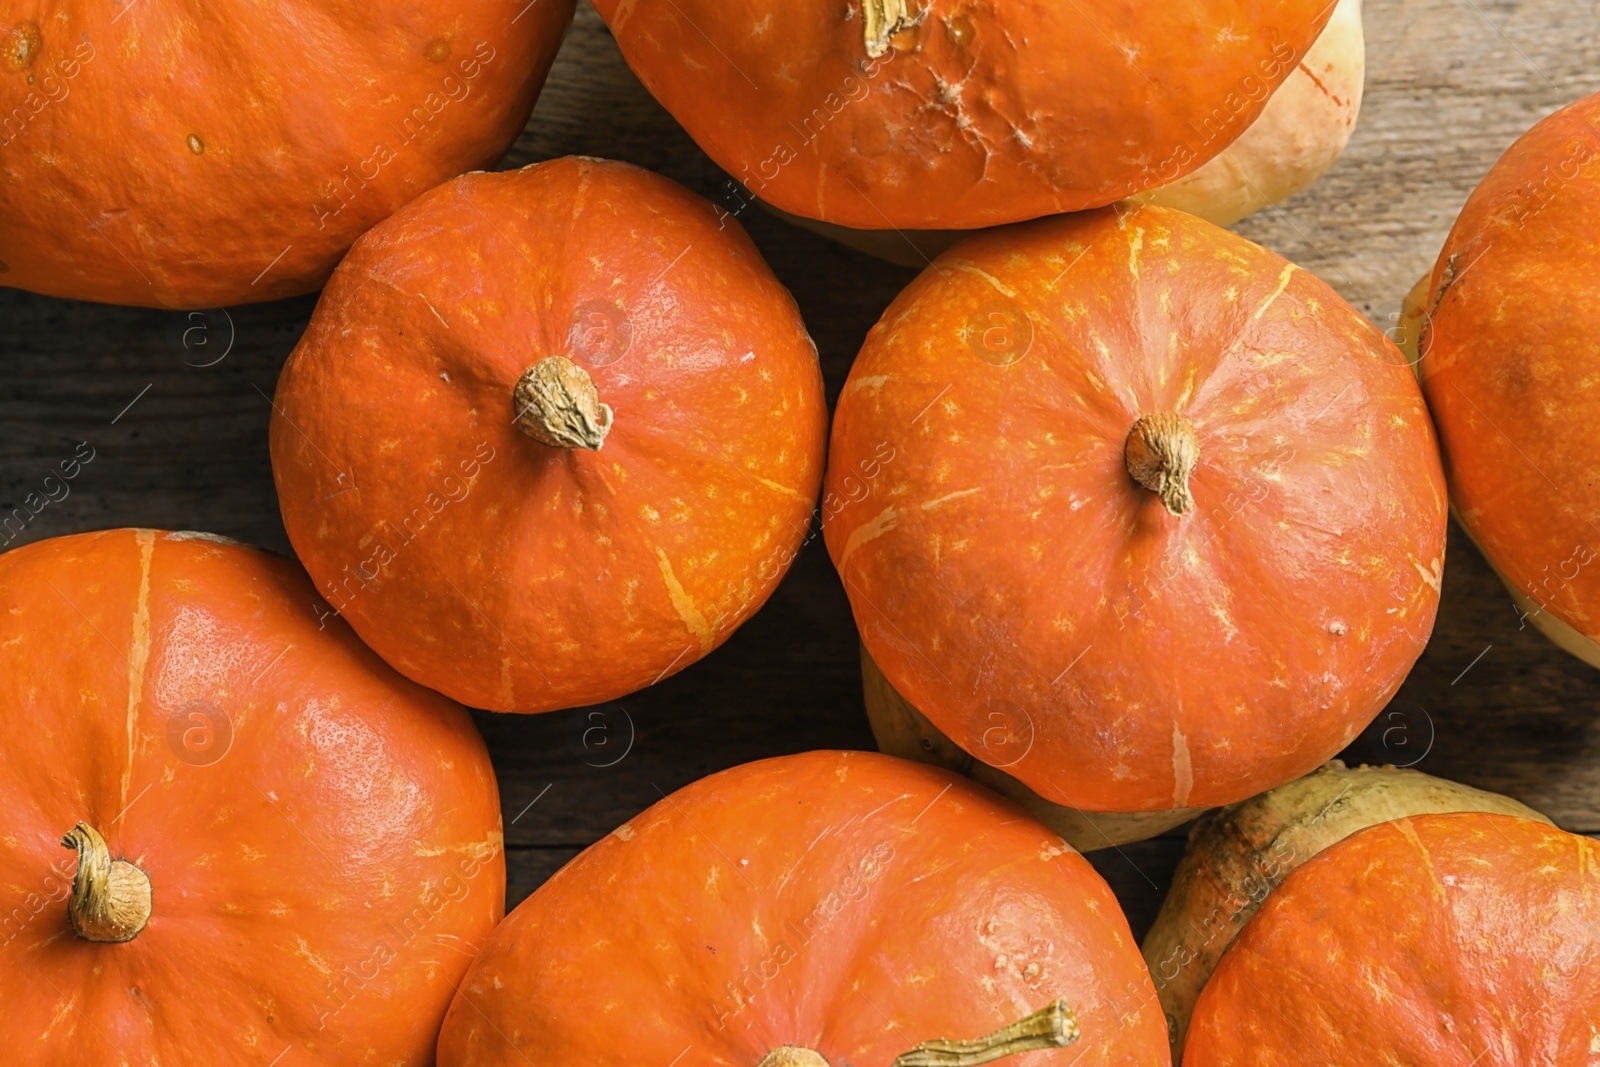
(1451, 83)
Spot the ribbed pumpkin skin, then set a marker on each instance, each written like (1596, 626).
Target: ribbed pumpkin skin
(980, 113)
(1509, 364)
(171, 154)
(317, 891)
(515, 575)
(1437, 941)
(845, 902)
(1049, 614)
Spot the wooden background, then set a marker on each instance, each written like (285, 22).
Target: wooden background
(1450, 84)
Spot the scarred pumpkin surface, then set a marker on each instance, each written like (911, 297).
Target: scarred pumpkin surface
(958, 114)
(551, 435)
(1512, 311)
(1224, 624)
(841, 905)
(317, 839)
(1298, 135)
(1437, 941)
(172, 154)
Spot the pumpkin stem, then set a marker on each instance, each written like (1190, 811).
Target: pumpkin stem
(883, 19)
(110, 900)
(1161, 453)
(556, 404)
(1053, 1026)
(792, 1056)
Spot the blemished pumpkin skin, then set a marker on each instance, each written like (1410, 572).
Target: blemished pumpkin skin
(1435, 941)
(1298, 135)
(319, 838)
(1182, 641)
(169, 154)
(1506, 326)
(505, 570)
(841, 905)
(958, 114)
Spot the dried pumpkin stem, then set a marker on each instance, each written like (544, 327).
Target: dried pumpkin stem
(792, 1056)
(883, 19)
(1161, 453)
(110, 900)
(556, 404)
(1050, 1027)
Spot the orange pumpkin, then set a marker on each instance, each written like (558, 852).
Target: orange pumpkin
(285, 853)
(949, 114)
(1298, 135)
(1509, 319)
(1135, 511)
(1434, 941)
(171, 154)
(825, 909)
(551, 435)
(1238, 856)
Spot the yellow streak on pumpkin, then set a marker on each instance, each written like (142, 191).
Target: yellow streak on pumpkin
(999, 286)
(867, 383)
(1283, 283)
(1220, 613)
(683, 603)
(1135, 244)
(1408, 830)
(435, 311)
(779, 487)
(886, 520)
(475, 848)
(138, 651)
(1182, 769)
(507, 694)
(929, 505)
(1188, 387)
(1272, 359)
(67, 1007)
(1433, 575)
(303, 950)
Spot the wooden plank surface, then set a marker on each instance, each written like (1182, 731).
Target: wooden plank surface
(1450, 84)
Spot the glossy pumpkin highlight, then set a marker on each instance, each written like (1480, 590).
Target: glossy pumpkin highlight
(287, 850)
